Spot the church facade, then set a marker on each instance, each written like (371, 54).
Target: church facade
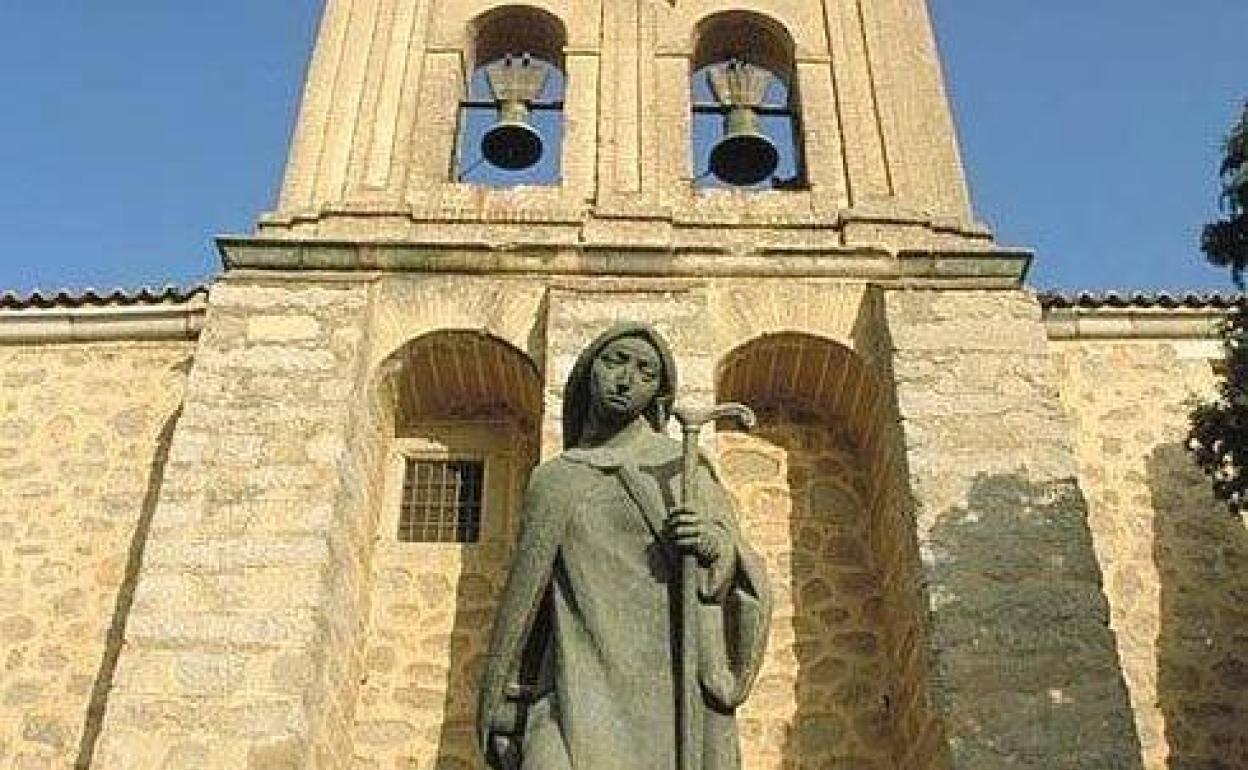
(264, 524)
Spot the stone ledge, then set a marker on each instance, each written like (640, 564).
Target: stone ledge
(1107, 323)
(562, 204)
(988, 268)
(103, 324)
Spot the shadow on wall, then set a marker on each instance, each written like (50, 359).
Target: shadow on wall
(1201, 552)
(476, 593)
(824, 699)
(844, 685)
(103, 685)
(1026, 668)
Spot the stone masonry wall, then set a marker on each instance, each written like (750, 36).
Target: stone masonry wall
(822, 695)
(1025, 668)
(1175, 562)
(83, 433)
(274, 625)
(243, 647)
(432, 610)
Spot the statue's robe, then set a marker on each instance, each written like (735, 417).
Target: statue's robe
(582, 666)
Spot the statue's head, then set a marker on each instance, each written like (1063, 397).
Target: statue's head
(628, 371)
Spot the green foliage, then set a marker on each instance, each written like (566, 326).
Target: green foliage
(1219, 433)
(1225, 242)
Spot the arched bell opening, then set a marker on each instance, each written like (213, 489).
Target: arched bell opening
(512, 117)
(464, 409)
(746, 123)
(821, 497)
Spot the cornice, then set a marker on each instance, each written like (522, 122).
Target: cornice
(89, 316)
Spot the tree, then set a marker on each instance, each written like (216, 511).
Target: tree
(1225, 242)
(1219, 434)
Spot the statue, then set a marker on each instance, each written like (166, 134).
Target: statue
(584, 670)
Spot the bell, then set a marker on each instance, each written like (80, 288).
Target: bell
(512, 143)
(744, 156)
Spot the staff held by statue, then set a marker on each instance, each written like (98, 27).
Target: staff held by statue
(691, 423)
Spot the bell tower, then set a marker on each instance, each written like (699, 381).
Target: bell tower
(475, 190)
(647, 142)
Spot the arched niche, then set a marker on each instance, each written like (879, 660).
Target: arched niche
(821, 494)
(515, 28)
(452, 398)
(763, 47)
(748, 35)
(513, 34)
(455, 24)
(464, 376)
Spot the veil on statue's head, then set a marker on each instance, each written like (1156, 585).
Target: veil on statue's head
(576, 391)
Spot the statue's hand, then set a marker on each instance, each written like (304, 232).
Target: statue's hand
(693, 532)
(504, 753)
(499, 736)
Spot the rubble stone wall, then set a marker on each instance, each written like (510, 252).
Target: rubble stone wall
(822, 695)
(272, 620)
(83, 434)
(1175, 562)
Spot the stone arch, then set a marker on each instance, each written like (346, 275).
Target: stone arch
(821, 493)
(506, 28)
(833, 312)
(458, 23)
(765, 40)
(449, 395)
(680, 36)
(463, 374)
(412, 310)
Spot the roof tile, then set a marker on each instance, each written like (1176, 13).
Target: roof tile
(1140, 300)
(64, 298)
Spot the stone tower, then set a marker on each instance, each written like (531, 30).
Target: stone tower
(374, 153)
(382, 362)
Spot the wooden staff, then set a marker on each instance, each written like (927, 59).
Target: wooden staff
(691, 423)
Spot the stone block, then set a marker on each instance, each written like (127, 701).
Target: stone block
(283, 328)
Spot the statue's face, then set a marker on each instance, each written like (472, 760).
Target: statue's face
(625, 378)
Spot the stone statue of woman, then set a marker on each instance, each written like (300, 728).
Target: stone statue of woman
(581, 673)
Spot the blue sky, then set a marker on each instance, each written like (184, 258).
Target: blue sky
(135, 130)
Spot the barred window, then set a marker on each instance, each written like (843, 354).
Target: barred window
(441, 501)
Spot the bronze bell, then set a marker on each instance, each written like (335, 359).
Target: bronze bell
(512, 143)
(745, 155)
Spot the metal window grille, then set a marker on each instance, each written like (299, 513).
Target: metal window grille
(441, 501)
